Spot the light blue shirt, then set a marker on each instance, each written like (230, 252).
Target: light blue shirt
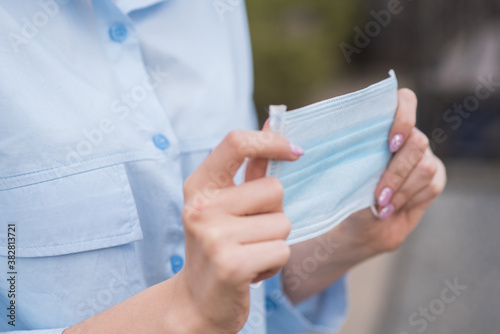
(104, 110)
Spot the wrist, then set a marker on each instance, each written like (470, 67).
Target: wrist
(185, 315)
(358, 237)
(180, 314)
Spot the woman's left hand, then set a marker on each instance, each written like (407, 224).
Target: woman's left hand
(411, 182)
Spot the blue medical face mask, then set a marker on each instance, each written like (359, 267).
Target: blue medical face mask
(346, 151)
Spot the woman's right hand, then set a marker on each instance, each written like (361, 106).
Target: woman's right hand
(235, 235)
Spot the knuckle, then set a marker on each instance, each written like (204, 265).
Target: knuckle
(212, 237)
(393, 243)
(266, 137)
(242, 142)
(399, 200)
(393, 246)
(195, 209)
(408, 96)
(421, 141)
(191, 229)
(407, 123)
(435, 189)
(398, 174)
(234, 139)
(428, 168)
(284, 224)
(283, 251)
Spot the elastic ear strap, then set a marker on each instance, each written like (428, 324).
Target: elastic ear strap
(374, 211)
(255, 285)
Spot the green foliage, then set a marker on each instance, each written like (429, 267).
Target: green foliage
(296, 47)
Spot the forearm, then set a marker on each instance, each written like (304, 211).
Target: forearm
(159, 309)
(317, 263)
(300, 283)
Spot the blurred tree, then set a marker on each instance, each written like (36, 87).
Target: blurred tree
(295, 47)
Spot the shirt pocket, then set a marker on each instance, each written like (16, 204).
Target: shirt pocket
(75, 251)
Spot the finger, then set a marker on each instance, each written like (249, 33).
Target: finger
(263, 195)
(256, 168)
(266, 126)
(218, 170)
(427, 195)
(404, 120)
(265, 275)
(401, 166)
(418, 180)
(265, 257)
(259, 228)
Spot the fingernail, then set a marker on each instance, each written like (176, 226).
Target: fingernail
(385, 197)
(386, 212)
(396, 143)
(297, 150)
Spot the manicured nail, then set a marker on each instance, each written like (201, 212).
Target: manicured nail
(297, 150)
(385, 196)
(396, 143)
(386, 212)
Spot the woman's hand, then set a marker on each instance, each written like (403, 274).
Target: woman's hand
(411, 182)
(235, 235)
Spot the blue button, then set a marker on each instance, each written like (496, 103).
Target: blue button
(161, 141)
(177, 262)
(118, 32)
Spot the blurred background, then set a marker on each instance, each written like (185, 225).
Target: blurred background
(448, 52)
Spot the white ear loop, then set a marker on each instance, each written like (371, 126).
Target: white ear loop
(255, 285)
(374, 211)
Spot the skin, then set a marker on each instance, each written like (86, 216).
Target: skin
(227, 226)
(415, 175)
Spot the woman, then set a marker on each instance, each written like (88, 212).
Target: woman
(106, 109)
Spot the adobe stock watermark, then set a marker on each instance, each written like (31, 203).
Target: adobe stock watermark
(421, 318)
(257, 317)
(223, 6)
(460, 111)
(30, 26)
(294, 276)
(104, 298)
(372, 29)
(121, 107)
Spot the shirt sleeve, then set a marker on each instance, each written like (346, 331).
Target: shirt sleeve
(322, 313)
(39, 331)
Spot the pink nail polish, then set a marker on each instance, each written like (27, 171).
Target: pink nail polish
(297, 150)
(396, 143)
(385, 197)
(386, 212)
